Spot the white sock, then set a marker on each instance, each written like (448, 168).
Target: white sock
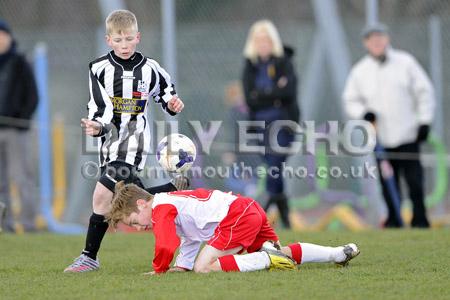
(252, 261)
(316, 253)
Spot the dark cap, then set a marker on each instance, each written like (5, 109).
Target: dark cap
(374, 28)
(4, 26)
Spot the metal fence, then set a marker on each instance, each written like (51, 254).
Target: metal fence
(210, 39)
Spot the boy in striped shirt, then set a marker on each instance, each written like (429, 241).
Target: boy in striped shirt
(121, 84)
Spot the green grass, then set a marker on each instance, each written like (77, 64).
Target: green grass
(399, 264)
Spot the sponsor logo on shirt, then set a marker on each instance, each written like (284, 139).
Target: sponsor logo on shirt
(128, 106)
(140, 95)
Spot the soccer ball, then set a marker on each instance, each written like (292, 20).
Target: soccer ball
(176, 153)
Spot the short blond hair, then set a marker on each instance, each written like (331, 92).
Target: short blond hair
(269, 28)
(124, 202)
(121, 21)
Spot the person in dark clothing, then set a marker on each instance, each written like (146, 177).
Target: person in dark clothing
(270, 87)
(18, 101)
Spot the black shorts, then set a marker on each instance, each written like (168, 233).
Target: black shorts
(117, 171)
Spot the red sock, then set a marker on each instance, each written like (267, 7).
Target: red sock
(228, 263)
(296, 250)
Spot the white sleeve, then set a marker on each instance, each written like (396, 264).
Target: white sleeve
(353, 101)
(187, 254)
(423, 92)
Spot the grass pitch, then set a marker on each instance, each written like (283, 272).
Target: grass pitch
(394, 264)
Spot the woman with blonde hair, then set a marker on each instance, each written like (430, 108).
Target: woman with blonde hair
(270, 87)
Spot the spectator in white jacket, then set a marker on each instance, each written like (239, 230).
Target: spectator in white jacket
(389, 88)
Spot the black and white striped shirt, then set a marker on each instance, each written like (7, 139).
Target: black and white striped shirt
(119, 94)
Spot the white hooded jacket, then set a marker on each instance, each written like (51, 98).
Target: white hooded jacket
(397, 91)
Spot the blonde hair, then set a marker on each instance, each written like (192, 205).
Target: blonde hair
(120, 21)
(124, 202)
(269, 28)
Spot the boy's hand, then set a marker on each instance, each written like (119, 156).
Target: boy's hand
(91, 128)
(175, 104)
(176, 269)
(151, 273)
(171, 270)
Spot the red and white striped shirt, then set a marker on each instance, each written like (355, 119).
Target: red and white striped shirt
(185, 219)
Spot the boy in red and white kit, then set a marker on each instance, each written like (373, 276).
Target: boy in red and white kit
(229, 224)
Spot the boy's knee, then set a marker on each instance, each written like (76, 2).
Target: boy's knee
(101, 200)
(100, 197)
(202, 268)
